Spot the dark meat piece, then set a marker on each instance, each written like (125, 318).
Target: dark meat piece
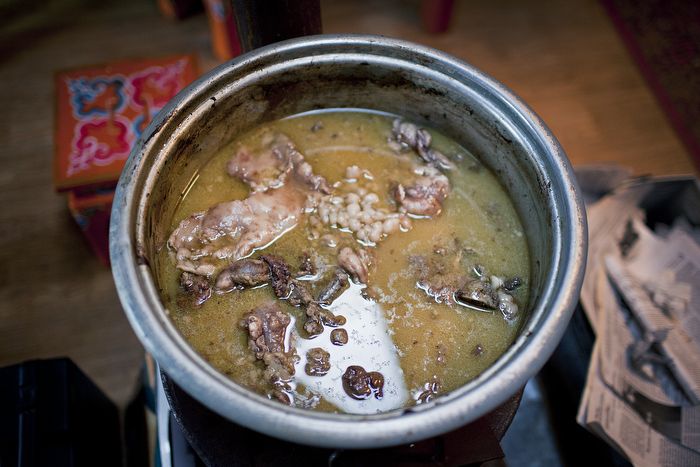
(430, 391)
(198, 286)
(407, 135)
(317, 362)
(478, 350)
(512, 283)
(283, 285)
(336, 286)
(307, 267)
(355, 262)
(279, 275)
(426, 195)
(313, 327)
(317, 126)
(299, 293)
(318, 316)
(359, 384)
(243, 273)
(339, 336)
(477, 294)
(267, 327)
(329, 319)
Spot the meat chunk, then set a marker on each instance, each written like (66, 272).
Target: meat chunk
(441, 273)
(339, 336)
(298, 294)
(313, 327)
(196, 285)
(279, 275)
(356, 263)
(406, 135)
(293, 290)
(360, 384)
(272, 163)
(426, 195)
(267, 328)
(283, 285)
(303, 173)
(185, 242)
(336, 286)
(243, 273)
(488, 295)
(307, 266)
(263, 167)
(477, 294)
(318, 316)
(317, 362)
(329, 319)
(232, 230)
(444, 277)
(283, 186)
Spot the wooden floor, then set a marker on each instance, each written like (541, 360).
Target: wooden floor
(563, 58)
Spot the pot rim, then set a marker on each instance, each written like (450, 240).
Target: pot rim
(528, 353)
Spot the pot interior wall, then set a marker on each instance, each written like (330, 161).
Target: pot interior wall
(210, 119)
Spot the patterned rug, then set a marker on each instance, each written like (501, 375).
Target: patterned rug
(663, 36)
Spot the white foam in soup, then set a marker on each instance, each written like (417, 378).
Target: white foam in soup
(369, 346)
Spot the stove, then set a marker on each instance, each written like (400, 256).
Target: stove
(189, 435)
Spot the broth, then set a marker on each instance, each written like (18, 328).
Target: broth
(405, 322)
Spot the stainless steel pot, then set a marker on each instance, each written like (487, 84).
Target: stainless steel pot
(421, 84)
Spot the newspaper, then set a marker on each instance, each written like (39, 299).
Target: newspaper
(641, 294)
(606, 228)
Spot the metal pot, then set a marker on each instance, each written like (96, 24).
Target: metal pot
(421, 84)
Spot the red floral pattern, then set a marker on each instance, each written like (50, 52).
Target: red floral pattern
(100, 141)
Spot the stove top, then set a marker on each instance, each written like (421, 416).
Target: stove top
(189, 434)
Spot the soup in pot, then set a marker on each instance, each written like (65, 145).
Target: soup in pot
(346, 261)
